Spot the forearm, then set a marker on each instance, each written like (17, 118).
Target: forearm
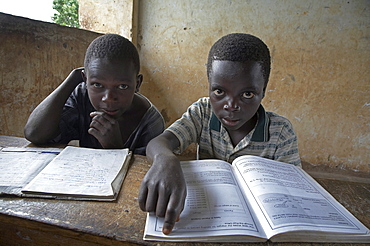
(162, 146)
(43, 123)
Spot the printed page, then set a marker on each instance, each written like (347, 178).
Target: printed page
(20, 165)
(81, 172)
(289, 199)
(214, 207)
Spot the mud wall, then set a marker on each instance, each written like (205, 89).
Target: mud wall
(320, 75)
(107, 16)
(320, 63)
(35, 57)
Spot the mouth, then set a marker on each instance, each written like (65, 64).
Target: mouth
(230, 122)
(110, 111)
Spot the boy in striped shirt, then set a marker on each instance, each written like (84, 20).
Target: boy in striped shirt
(229, 123)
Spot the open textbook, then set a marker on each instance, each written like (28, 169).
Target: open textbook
(253, 200)
(71, 173)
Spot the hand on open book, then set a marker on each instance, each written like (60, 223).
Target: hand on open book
(163, 191)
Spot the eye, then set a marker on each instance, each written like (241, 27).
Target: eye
(218, 92)
(248, 95)
(123, 87)
(96, 85)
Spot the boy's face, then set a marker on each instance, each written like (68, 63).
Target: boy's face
(111, 85)
(236, 90)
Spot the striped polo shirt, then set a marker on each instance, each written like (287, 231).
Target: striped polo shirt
(273, 136)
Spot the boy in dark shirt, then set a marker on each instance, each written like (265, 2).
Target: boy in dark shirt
(231, 122)
(99, 105)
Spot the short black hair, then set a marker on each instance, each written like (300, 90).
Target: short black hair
(241, 47)
(114, 47)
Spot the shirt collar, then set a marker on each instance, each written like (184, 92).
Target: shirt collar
(261, 132)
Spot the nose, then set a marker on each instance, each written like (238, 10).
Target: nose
(232, 105)
(109, 95)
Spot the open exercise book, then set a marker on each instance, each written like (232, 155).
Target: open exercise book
(253, 200)
(72, 173)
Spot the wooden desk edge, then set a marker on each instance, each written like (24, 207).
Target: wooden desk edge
(21, 226)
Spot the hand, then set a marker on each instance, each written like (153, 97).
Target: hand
(163, 191)
(76, 76)
(106, 129)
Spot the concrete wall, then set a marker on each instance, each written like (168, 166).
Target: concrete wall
(320, 72)
(107, 16)
(35, 57)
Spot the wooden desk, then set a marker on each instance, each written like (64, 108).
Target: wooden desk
(25, 221)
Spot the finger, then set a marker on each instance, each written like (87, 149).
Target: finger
(162, 203)
(97, 124)
(101, 123)
(182, 204)
(100, 115)
(172, 214)
(168, 223)
(94, 132)
(98, 127)
(143, 193)
(151, 201)
(95, 113)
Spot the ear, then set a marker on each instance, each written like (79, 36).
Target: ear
(264, 92)
(139, 81)
(84, 78)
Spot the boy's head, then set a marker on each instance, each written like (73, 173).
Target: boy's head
(111, 74)
(238, 69)
(114, 48)
(241, 47)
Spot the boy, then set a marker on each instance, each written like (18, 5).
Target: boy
(99, 105)
(229, 123)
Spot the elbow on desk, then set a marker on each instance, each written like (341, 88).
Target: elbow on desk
(32, 136)
(35, 136)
